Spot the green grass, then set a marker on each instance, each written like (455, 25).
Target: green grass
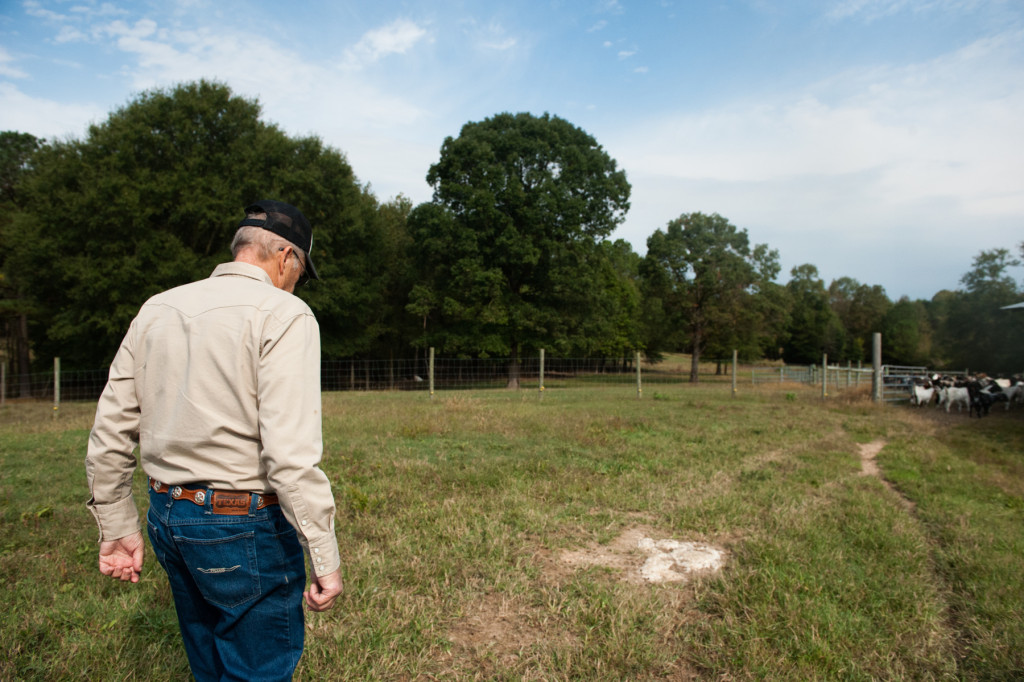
(454, 514)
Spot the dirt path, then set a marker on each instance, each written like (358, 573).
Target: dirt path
(869, 467)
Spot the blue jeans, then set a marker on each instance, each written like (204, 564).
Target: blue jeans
(237, 583)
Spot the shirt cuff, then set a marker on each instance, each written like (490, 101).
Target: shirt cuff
(117, 519)
(324, 556)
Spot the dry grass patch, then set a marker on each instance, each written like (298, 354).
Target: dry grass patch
(507, 630)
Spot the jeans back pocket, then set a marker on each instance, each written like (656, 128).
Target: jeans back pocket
(224, 568)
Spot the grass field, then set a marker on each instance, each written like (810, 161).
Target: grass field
(463, 520)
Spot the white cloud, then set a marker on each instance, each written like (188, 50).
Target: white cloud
(491, 37)
(34, 9)
(106, 9)
(397, 38)
(69, 34)
(626, 54)
(350, 113)
(872, 10)
(934, 129)
(304, 89)
(499, 45)
(7, 68)
(609, 6)
(921, 159)
(45, 118)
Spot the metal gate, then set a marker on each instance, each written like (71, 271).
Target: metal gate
(898, 380)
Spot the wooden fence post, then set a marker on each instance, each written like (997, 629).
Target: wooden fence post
(430, 373)
(639, 387)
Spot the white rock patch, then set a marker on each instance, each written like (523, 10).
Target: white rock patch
(673, 561)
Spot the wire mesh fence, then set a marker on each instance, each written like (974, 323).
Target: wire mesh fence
(450, 374)
(74, 385)
(474, 373)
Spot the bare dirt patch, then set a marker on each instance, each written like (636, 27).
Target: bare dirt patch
(506, 630)
(640, 557)
(869, 467)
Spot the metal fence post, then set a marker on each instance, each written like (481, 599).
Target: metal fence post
(541, 378)
(876, 367)
(824, 376)
(56, 386)
(734, 358)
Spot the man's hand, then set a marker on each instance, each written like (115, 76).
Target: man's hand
(323, 591)
(122, 558)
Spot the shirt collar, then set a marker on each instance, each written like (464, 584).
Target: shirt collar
(242, 270)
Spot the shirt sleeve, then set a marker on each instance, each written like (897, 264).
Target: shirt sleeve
(110, 460)
(291, 434)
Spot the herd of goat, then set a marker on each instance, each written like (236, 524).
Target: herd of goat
(977, 393)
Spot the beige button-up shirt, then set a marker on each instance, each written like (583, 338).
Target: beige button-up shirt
(218, 382)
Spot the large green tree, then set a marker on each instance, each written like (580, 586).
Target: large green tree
(861, 309)
(980, 334)
(150, 198)
(509, 251)
(814, 329)
(612, 327)
(16, 151)
(907, 334)
(706, 275)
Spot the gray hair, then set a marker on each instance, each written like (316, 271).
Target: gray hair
(264, 242)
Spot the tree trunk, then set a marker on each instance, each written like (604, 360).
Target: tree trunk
(513, 367)
(24, 358)
(695, 357)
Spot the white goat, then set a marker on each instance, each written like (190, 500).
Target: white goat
(954, 394)
(921, 395)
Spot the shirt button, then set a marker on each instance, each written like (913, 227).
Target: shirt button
(316, 550)
(304, 522)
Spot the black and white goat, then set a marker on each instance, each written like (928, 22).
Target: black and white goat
(1011, 389)
(983, 397)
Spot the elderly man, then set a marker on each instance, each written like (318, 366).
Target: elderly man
(218, 382)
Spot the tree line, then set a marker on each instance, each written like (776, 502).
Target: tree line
(512, 254)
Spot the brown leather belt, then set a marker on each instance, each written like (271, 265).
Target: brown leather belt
(229, 502)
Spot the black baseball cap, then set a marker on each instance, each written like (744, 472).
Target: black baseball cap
(285, 221)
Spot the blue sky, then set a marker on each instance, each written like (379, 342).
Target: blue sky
(881, 140)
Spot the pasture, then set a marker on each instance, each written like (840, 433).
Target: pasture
(494, 536)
